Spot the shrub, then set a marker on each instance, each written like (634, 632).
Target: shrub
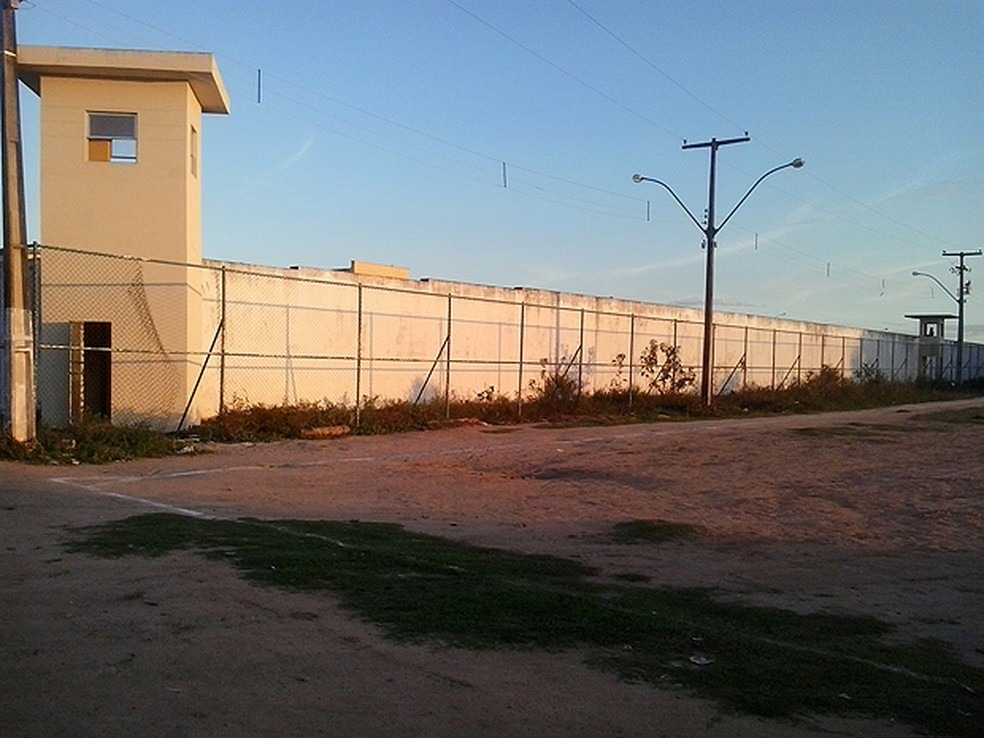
(667, 375)
(555, 393)
(242, 422)
(92, 442)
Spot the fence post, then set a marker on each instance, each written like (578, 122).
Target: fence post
(358, 358)
(522, 340)
(198, 381)
(631, 358)
(580, 357)
(222, 345)
(744, 368)
(447, 375)
(775, 338)
(34, 252)
(288, 360)
(799, 358)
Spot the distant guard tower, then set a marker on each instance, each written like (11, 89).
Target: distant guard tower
(930, 344)
(120, 175)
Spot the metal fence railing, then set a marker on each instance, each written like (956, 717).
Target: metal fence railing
(147, 340)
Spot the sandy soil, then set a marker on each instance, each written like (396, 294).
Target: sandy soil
(877, 522)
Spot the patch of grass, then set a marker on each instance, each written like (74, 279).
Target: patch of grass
(653, 531)
(631, 576)
(417, 588)
(855, 430)
(967, 416)
(91, 442)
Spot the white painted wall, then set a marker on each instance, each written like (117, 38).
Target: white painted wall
(293, 335)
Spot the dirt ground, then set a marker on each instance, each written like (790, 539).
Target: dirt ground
(848, 519)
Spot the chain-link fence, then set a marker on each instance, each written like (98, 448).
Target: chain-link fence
(143, 340)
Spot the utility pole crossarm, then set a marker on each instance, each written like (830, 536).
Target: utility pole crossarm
(716, 142)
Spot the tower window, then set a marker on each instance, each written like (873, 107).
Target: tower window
(113, 137)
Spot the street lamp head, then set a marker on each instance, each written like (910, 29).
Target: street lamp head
(637, 178)
(797, 163)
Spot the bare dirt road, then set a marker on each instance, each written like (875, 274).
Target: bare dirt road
(875, 512)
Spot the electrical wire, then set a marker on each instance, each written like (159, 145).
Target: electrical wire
(591, 206)
(537, 191)
(565, 72)
(645, 60)
(635, 52)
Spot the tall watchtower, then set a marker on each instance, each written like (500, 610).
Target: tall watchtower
(121, 176)
(930, 343)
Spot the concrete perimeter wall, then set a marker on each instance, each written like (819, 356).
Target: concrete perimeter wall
(306, 334)
(274, 336)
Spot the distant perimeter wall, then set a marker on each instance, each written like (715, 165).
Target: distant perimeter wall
(276, 336)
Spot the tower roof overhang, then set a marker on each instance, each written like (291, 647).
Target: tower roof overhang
(197, 69)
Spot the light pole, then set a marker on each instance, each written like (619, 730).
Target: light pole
(710, 231)
(962, 291)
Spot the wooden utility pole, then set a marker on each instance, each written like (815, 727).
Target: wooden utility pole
(17, 380)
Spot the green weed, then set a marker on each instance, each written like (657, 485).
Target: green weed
(653, 531)
(91, 442)
(874, 431)
(967, 416)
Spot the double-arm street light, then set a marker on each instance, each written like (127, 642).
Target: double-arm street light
(960, 298)
(710, 230)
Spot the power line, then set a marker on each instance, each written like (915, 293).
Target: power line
(497, 160)
(653, 66)
(591, 206)
(565, 72)
(721, 115)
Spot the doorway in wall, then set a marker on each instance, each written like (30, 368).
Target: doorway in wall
(90, 370)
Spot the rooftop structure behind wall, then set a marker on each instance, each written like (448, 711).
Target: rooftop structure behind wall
(378, 270)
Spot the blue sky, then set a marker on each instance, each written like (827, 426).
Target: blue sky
(384, 126)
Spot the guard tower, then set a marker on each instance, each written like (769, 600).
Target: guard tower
(120, 176)
(930, 342)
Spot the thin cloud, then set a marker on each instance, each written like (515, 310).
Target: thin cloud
(264, 179)
(655, 266)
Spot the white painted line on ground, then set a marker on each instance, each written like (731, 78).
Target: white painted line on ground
(129, 498)
(203, 472)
